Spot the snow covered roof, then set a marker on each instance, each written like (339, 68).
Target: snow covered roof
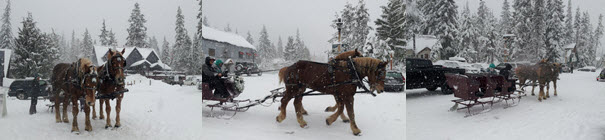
(139, 63)
(160, 64)
(101, 51)
(226, 37)
(569, 46)
(423, 41)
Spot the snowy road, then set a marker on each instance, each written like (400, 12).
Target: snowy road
(159, 111)
(577, 113)
(380, 117)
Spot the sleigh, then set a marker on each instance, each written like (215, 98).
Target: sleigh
(228, 105)
(480, 89)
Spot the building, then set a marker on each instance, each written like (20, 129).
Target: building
(140, 60)
(5, 57)
(225, 45)
(423, 47)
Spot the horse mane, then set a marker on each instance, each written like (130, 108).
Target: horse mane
(347, 54)
(83, 66)
(282, 74)
(370, 64)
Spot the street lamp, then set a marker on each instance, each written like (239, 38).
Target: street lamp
(507, 38)
(339, 26)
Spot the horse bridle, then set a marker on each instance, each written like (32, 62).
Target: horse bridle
(107, 64)
(93, 77)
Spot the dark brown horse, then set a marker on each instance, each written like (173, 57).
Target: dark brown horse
(547, 72)
(306, 74)
(72, 82)
(527, 73)
(111, 85)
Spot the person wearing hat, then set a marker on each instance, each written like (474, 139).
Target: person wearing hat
(34, 95)
(492, 69)
(219, 65)
(212, 76)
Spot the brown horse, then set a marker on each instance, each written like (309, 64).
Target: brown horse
(343, 56)
(74, 81)
(306, 74)
(547, 72)
(527, 73)
(111, 85)
(556, 67)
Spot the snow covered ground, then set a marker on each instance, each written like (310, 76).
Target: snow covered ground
(577, 113)
(156, 111)
(379, 118)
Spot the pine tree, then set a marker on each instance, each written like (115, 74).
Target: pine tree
(249, 38)
(569, 28)
(555, 34)
(522, 17)
(228, 28)
(166, 53)
(137, 32)
(586, 50)
(290, 50)
(104, 37)
(153, 43)
(538, 30)
(183, 59)
(488, 35)
(264, 45)
(577, 25)
(468, 36)
(390, 24)
(300, 48)
(112, 39)
(6, 35)
(506, 22)
(598, 33)
(35, 52)
(280, 48)
(441, 22)
(205, 21)
(87, 46)
(355, 28)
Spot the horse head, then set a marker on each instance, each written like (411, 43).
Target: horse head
(349, 54)
(89, 81)
(374, 69)
(115, 66)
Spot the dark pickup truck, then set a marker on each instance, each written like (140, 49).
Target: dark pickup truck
(421, 73)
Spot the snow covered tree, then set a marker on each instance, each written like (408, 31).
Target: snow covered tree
(488, 35)
(537, 31)
(598, 33)
(265, 50)
(104, 37)
(137, 32)
(153, 43)
(228, 28)
(183, 59)
(467, 38)
(522, 25)
(569, 35)
(35, 52)
(577, 25)
(112, 39)
(355, 28)
(377, 48)
(554, 29)
(290, 50)
(390, 24)
(6, 35)
(505, 19)
(205, 21)
(302, 52)
(166, 53)
(586, 50)
(87, 46)
(442, 22)
(280, 48)
(249, 38)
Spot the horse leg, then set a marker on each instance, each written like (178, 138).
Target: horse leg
(299, 115)
(57, 108)
(87, 127)
(284, 103)
(65, 104)
(94, 112)
(554, 83)
(75, 110)
(342, 115)
(533, 86)
(541, 94)
(302, 109)
(332, 108)
(338, 112)
(547, 90)
(118, 109)
(348, 102)
(101, 101)
(108, 111)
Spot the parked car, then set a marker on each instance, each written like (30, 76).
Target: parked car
(173, 80)
(394, 81)
(565, 69)
(191, 81)
(421, 73)
(458, 64)
(601, 77)
(588, 69)
(247, 68)
(23, 89)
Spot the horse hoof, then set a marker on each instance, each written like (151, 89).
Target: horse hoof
(107, 126)
(346, 121)
(357, 133)
(101, 118)
(305, 113)
(278, 120)
(117, 126)
(327, 109)
(88, 129)
(305, 126)
(65, 121)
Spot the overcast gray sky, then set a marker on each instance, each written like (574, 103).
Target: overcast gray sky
(67, 15)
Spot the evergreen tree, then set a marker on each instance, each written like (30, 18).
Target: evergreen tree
(468, 36)
(586, 50)
(555, 34)
(577, 25)
(112, 39)
(137, 32)
(522, 25)
(538, 43)
(390, 24)
(598, 33)
(290, 50)
(6, 35)
(264, 45)
(153, 43)
(205, 21)
(249, 38)
(569, 28)
(87, 46)
(442, 22)
(488, 35)
(183, 59)
(280, 48)
(104, 37)
(506, 21)
(228, 28)
(35, 52)
(166, 53)
(355, 27)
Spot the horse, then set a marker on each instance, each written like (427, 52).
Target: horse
(307, 74)
(525, 73)
(75, 81)
(343, 56)
(546, 73)
(556, 67)
(111, 85)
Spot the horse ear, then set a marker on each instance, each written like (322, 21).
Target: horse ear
(123, 50)
(109, 54)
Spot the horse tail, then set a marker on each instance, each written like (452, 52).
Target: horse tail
(282, 74)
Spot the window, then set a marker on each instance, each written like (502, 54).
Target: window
(241, 55)
(211, 52)
(426, 56)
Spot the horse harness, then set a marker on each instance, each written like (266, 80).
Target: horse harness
(106, 77)
(77, 79)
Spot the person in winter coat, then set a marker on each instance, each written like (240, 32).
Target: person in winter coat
(219, 66)
(34, 95)
(212, 76)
